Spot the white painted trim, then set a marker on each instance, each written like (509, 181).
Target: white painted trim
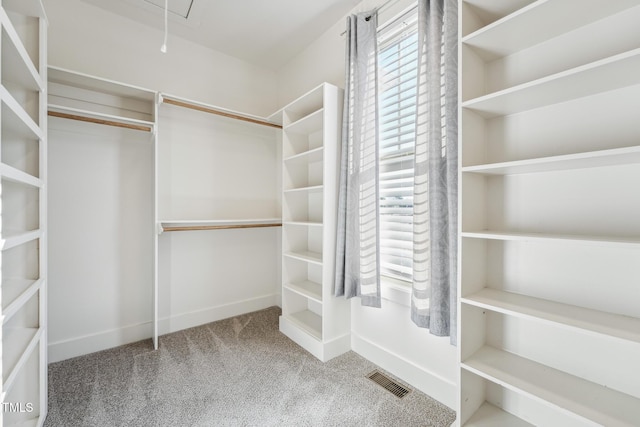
(428, 382)
(66, 349)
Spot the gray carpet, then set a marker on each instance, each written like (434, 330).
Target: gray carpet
(236, 372)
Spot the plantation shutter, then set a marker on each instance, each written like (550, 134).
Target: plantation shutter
(398, 66)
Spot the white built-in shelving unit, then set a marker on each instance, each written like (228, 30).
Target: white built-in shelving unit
(23, 208)
(550, 239)
(311, 315)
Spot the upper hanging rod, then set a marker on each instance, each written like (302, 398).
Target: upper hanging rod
(144, 128)
(207, 109)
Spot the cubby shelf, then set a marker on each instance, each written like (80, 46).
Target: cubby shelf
(307, 288)
(12, 239)
(607, 74)
(24, 341)
(311, 257)
(313, 155)
(612, 157)
(19, 121)
(565, 315)
(566, 392)
(308, 321)
(309, 189)
(489, 415)
(308, 124)
(611, 241)
(17, 66)
(16, 175)
(15, 293)
(505, 36)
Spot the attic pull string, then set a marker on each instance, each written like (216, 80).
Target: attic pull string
(377, 9)
(163, 48)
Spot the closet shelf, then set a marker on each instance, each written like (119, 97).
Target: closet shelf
(18, 344)
(310, 189)
(558, 389)
(12, 239)
(17, 66)
(549, 237)
(612, 157)
(15, 293)
(306, 288)
(99, 118)
(311, 156)
(25, 7)
(608, 74)
(508, 35)
(16, 175)
(199, 106)
(303, 106)
(304, 223)
(70, 78)
(308, 124)
(491, 416)
(217, 224)
(526, 307)
(308, 322)
(26, 126)
(308, 256)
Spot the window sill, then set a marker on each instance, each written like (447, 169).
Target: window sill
(396, 291)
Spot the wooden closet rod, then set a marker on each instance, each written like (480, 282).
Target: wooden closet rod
(219, 112)
(99, 121)
(218, 227)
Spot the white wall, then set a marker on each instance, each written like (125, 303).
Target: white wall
(85, 38)
(385, 336)
(101, 207)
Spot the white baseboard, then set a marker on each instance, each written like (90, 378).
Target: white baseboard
(430, 383)
(66, 349)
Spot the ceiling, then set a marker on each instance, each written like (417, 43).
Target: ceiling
(265, 33)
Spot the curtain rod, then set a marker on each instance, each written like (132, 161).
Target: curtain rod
(168, 100)
(377, 9)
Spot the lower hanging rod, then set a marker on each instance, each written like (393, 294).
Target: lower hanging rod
(218, 227)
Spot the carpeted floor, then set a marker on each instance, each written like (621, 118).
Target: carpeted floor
(236, 372)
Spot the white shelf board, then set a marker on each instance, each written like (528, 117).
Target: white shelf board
(306, 288)
(308, 321)
(308, 124)
(17, 345)
(528, 237)
(531, 25)
(100, 116)
(490, 11)
(307, 103)
(16, 175)
(612, 157)
(512, 304)
(248, 221)
(304, 223)
(25, 124)
(313, 155)
(489, 415)
(608, 74)
(15, 293)
(312, 257)
(12, 239)
(25, 7)
(17, 65)
(98, 84)
(310, 189)
(555, 388)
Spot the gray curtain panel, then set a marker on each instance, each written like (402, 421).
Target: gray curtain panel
(433, 301)
(357, 253)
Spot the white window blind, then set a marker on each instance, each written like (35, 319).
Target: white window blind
(398, 64)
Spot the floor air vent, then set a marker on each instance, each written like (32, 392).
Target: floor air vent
(388, 384)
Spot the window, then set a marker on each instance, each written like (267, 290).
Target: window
(398, 74)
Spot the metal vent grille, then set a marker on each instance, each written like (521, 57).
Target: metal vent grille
(388, 384)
